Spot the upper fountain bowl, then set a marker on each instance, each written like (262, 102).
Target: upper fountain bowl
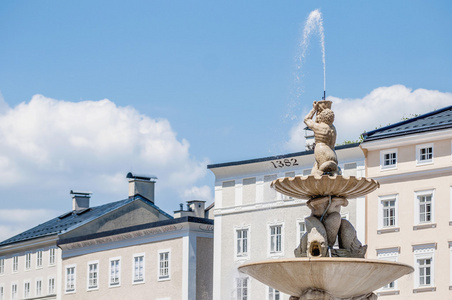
(307, 187)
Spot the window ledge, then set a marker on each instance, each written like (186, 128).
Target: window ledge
(425, 289)
(424, 226)
(388, 293)
(388, 230)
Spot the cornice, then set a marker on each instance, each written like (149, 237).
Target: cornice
(32, 243)
(413, 175)
(405, 140)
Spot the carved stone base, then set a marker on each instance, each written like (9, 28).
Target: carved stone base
(314, 294)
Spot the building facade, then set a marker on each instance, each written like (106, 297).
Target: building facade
(253, 222)
(111, 251)
(409, 218)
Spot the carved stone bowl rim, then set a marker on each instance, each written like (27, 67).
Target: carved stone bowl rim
(340, 277)
(312, 186)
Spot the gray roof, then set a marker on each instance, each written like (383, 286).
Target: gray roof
(74, 219)
(436, 120)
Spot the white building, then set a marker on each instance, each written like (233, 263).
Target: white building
(122, 248)
(409, 218)
(253, 222)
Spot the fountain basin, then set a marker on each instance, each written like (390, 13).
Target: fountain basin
(307, 187)
(340, 277)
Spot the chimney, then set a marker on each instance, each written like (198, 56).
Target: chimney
(197, 207)
(141, 185)
(80, 200)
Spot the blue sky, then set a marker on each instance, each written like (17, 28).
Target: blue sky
(213, 81)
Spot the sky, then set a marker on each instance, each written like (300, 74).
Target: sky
(91, 90)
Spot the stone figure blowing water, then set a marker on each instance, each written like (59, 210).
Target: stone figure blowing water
(325, 138)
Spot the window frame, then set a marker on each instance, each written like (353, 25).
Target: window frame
(384, 167)
(27, 289)
(143, 279)
(419, 148)
(52, 256)
(299, 231)
(14, 290)
(271, 251)
(417, 206)
(273, 294)
(242, 255)
(423, 252)
(51, 287)
(89, 286)
(110, 269)
(39, 258)
(28, 260)
(15, 264)
(38, 280)
(390, 254)
(381, 209)
(159, 276)
(241, 287)
(68, 277)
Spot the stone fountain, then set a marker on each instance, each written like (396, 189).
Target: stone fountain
(319, 271)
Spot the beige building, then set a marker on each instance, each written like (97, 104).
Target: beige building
(409, 218)
(116, 250)
(253, 222)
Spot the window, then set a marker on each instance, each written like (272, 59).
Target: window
(273, 294)
(26, 290)
(424, 207)
(242, 288)
(93, 275)
(2, 293)
(115, 271)
(388, 208)
(425, 271)
(301, 230)
(138, 268)
(2, 265)
(388, 213)
(276, 239)
(388, 159)
(51, 286)
(15, 264)
(70, 279)
(424, 154)
(388, 254)
(14, 291)
(52, 252)
(38, 287)
(28, 261)
(164, 265)
(39, 259)
(242, 242)
(424, 265)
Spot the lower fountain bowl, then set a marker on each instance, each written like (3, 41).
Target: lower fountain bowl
(340, 277)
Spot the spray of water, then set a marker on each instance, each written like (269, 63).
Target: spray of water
(314, 24)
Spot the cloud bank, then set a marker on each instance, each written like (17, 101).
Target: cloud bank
(49, 147)
(382, 106)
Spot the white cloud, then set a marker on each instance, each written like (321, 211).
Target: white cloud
(382, 106)
(49, 147)
(198, 193)
(15, 221)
